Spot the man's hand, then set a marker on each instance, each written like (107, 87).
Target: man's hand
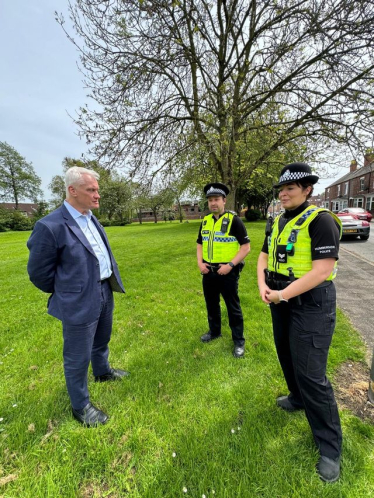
(203, 267)
(224, 269)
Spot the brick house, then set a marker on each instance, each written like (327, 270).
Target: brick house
(355, 189)
(27, 209)
(191, 211)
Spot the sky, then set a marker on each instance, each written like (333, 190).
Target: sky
(40, 85)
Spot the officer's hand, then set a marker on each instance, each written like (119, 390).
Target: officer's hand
(273, 296)
(224, 269)
(264, 291)
(203, 267)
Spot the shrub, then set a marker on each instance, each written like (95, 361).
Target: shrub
(252, 214)
(19, 222)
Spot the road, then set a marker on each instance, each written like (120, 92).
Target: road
(354, 285)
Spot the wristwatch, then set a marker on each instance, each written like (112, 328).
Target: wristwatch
(231, 264)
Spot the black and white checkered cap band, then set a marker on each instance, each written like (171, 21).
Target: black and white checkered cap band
(215, 191)
(289, 177)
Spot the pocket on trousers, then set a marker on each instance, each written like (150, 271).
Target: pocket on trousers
(317, 358)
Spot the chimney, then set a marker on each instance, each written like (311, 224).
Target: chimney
(353, 166)
(368, 157)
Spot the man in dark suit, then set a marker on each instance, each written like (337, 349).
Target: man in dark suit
(70, 258)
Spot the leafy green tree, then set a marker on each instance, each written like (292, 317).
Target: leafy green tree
(116, 198)
(18, 179)
(41, 211)
(161, 200)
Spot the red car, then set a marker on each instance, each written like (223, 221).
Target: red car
(361, 213)
(354, 227)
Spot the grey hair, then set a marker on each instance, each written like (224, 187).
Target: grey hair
(73, 176)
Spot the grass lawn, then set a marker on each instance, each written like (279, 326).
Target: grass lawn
(190, 416)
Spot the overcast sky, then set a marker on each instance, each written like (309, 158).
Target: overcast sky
(40, 84)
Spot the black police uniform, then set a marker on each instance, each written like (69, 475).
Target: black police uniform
(303, 329)
(215, 285)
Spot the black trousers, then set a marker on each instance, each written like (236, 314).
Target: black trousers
(302, 335)
(215, 285)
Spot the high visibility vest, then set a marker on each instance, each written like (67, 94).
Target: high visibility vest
(297, 244)
(218, 245)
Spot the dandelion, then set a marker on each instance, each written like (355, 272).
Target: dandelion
(203, 496)
(185, 490)
(15, 405)
(232, 431)
(174, 454)
(1, 419)
(213, 492)
(239, 428)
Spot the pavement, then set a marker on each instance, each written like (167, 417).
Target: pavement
(355, 286)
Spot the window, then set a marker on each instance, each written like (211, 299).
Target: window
(338, 189)
(346, 188)
(327, 204)
(370, 203)
(358, 203)
(362, 184)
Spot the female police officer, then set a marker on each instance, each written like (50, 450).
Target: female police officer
(295, 271)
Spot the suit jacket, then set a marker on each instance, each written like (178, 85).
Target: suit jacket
(63, 263)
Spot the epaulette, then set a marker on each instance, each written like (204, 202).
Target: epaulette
(231, 212)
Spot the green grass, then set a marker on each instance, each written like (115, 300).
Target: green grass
(183, 397)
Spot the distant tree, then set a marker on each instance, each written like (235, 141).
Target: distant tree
(41, 210)
(57, 187)
(161, 200)
(57, 184)
(18, 179)
(116, 196)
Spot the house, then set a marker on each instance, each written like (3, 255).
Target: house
(191, 211)
(355, 189)
(27, 209)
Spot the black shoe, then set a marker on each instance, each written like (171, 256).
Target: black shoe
(90, 415)
(239, 351)
(285, 403)
(328, 469)
(113, 374)
(209, 337)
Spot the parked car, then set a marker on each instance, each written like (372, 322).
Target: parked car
(360, 212)
(354, 227)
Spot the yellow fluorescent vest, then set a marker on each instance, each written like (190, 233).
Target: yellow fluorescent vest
(218, 246)
(301, 261)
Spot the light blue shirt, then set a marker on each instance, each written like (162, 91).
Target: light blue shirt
(94, 238)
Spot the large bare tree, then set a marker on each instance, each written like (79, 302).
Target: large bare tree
(170, 75)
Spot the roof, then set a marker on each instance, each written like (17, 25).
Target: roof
(354, 174)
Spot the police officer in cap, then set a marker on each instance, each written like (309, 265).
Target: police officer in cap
(222, 245)
(296, 268)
